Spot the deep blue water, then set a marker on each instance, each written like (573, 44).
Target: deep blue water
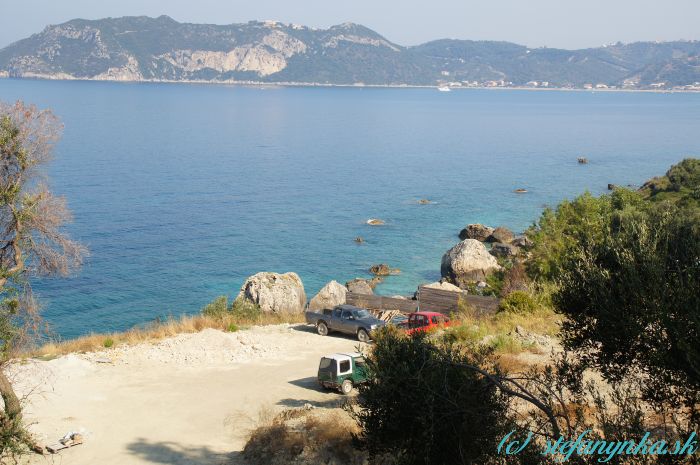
(182, 191)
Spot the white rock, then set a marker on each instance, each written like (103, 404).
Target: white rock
(445, 286)
(329, 296)
(274, 292)
(467, 262)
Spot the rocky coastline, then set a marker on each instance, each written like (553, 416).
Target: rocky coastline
(466, 267)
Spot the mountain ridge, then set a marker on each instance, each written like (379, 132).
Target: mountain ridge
(141, 48)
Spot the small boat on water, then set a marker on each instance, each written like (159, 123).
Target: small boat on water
(443, 89)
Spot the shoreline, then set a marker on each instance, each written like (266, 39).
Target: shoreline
(271, 85)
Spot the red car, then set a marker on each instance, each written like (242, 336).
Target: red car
(425, 321)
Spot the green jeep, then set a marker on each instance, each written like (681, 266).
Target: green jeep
(342, 371)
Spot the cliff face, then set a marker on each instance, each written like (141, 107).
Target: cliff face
(141, 48)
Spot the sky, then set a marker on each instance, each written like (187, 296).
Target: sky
(553, 23)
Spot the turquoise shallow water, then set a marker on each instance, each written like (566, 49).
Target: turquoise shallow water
(182, 191)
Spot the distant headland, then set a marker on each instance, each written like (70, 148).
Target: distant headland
(143, 49)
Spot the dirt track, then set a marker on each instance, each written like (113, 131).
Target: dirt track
(186, 400)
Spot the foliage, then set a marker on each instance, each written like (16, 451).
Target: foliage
(558, 232)
(420, 406)
(631, 296)
(217, 308)
(108, 342)
(681, 184)
(518, 302)
(245, 311)
(232, 328)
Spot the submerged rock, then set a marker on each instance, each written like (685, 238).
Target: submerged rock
(375, 222)
(275, 292)
(329, 296)
(383, 270)
(476, 231)
(467, 262)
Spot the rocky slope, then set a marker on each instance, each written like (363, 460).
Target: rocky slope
(142, 48)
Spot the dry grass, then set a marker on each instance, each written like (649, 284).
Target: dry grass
(301, 436)
(158, 330)
(498, 329)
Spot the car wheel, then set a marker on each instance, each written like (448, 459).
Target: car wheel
(322, 328)
(346, 387)
(362, 335)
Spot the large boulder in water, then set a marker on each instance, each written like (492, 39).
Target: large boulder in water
(274, 292)
(467, 262)
(476, 231)
(359, 286)
(329, 296)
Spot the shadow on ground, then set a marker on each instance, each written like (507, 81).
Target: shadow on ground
(334, 402)
(177, 454)
(312, 329)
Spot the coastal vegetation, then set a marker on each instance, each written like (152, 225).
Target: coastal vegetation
(622, 272)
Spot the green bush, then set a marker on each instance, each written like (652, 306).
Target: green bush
(217, 308)
(245, 310)
(423, 408)
(108, 342)
(518, 302)
(632, 299)
(232, 328)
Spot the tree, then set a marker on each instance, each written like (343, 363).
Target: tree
(420, 409)
(32, 243)
(632, 299)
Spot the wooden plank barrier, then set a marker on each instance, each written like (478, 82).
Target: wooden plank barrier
(440, 300)
(429, 300)
(378, 302)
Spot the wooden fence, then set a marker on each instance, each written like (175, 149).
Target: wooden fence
(439, 300)
(429, 300)
(378, 302)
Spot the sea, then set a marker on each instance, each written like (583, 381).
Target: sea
(181, 191)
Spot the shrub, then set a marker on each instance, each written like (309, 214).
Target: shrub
(218, 308)
(301, 436)
(632, 299)
(518, 302)
(245, 310)
(108, 342)
(421, 407)
(232, 328)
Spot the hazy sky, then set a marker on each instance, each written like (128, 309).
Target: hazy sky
(554, 23)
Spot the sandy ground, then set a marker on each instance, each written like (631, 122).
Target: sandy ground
(190, 399)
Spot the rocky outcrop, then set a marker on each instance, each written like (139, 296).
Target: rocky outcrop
(359, 286)
(523, 242)
(443, 285)
(499, 249)
(467, 262)
(274, 292)
(476, 231)
(383, 270)
(329, 296)
(501, 234)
